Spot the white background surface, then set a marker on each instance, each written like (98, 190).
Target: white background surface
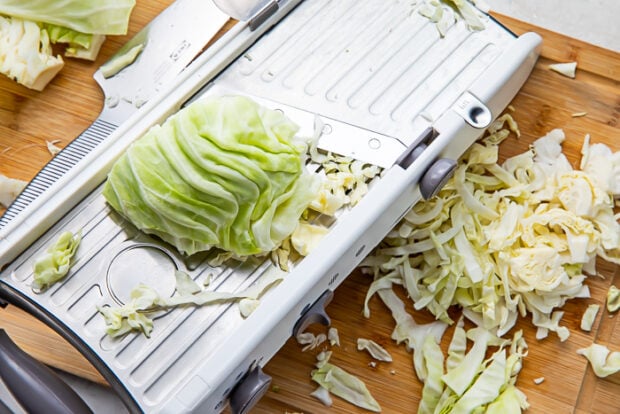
(594, 21)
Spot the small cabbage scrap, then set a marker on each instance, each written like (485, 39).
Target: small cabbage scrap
(223, 172)
(10, 189)
(567, 69)
(469, 14)
(374, 349)
(55, 263)
(307, 237)
(310, 340)
(120, 62)
(133, 316)
(444, 14)
(333, 337)
(93, 16)
(346, 386)
(613, 299)
(322, 394)
(588, 317)
(52, 148)
(26, 55)
(603, 361)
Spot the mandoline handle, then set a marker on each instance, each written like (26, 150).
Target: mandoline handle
(35, 386)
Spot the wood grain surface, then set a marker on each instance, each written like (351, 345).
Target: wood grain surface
(72, 101)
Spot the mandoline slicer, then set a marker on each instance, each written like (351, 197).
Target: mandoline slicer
(388, 90)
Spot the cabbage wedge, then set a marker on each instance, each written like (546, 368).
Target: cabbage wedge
(223, 172)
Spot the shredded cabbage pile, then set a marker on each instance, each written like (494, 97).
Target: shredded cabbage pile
(223, 172)
(445, 13)
(502, 241)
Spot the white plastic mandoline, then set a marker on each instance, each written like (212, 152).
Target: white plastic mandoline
(389, 90)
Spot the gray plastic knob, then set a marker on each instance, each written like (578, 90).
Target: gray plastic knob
(436, 177)
(314, 314)
(249, 391)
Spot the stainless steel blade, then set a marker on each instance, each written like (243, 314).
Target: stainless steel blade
(333, 135)
(170, 42)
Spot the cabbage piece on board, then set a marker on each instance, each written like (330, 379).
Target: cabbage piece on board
(26, 54)
(223, 172)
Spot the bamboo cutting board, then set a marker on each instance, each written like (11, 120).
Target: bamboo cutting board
(72, 101)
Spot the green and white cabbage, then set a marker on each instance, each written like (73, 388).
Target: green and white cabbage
(93, 16)
(223, 172)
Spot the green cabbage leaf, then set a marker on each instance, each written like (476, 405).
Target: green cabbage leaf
(604, 362)
(223, 172)
(93, 16)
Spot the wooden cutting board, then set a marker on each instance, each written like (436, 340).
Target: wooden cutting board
(72, 101)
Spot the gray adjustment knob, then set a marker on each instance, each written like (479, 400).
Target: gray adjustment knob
(249, 391)
(436, 177)
(314, 314)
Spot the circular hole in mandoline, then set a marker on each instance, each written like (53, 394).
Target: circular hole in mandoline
(479, 116)
(141, 264)
(327, 129)
(374, 143)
